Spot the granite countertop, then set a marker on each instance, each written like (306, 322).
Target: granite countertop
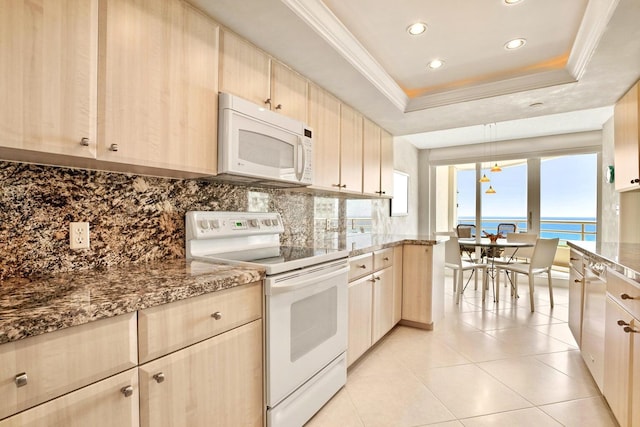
(359, 244)
(623, 257)
(46, 303)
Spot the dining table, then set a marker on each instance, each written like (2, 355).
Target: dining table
(493, 246)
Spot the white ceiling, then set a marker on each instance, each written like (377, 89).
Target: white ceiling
(580, 57)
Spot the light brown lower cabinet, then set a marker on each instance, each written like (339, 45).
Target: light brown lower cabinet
(360, 318)
(621, 386)
(422, 285)
(397, 284)
(110, 402)
(382, 303)
(217, 382)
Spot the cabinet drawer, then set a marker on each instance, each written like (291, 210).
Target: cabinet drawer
(169, 327)
(382, 259)
(59, 362)
(576, 260)
(99, 404)
(624, 291)
(360, 266)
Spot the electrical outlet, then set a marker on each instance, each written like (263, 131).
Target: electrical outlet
(79, 235)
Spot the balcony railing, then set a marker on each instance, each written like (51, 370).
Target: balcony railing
(569, 229)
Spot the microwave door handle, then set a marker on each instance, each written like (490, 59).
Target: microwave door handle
(300, 159)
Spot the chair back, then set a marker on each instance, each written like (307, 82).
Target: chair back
(544, 253)
(452, 252)
(506, 228)
(466, 231)
(521, 238)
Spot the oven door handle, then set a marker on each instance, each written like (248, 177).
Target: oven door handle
(295, 284)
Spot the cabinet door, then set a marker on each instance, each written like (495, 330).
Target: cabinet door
(576, 302)
(635, 381)
(417, 286)
(324, 119)
(617, 362)
(382, 303)
(360, 318)
(48, 52)
(626, 134)
(350, 149)
(158, 86)
(371, 158)
(244, 69)
(217, 382)
(386, 163)
(101, 404)
(397, 284)
(416, 292)
(288, 92)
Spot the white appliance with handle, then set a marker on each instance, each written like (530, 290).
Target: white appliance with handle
(305, 307)
(256, 145)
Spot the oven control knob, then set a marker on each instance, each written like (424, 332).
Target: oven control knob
(214, 223)
(204, 224)
(274, 222)
(253, 222)
(266, 221)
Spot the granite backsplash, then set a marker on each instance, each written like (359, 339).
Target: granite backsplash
(132, 218)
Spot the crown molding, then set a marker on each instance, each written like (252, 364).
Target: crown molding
(491, 89)
(593, 25)
(318, 16)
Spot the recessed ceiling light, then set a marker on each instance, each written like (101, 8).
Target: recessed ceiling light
(512, 1)
(436, 63)
(417, 28)
(515, 44)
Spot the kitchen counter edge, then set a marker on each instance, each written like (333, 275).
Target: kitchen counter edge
(622, 257)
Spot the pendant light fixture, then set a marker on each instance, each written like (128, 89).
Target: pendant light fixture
(484, 178)
(490, 190)
(495, 167)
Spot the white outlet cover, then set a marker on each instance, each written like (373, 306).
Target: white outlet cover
(79, 235)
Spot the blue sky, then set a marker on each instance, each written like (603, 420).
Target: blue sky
(568, 189)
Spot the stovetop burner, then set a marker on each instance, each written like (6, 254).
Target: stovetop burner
(249, 238)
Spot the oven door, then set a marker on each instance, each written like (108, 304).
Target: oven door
(306, 325)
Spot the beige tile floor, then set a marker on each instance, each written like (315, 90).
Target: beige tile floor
(482, 365)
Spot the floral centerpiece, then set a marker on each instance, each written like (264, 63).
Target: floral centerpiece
(493, 237)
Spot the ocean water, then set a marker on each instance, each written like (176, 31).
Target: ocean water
(549, 228)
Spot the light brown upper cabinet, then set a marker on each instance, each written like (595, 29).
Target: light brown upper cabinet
(324, 119)
(157, 91)
(248, 72)
(377, 164)
(386, 164)
(351, 128)
(49, 52)
(627, 141)
(371, 158)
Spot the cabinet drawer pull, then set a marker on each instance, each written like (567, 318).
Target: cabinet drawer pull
(373, 279)
(339, 186)
(385, 258)
(217, 315)
(622, 323)
(127, 391)
(363, 266)
(84, 142)
(574, 259)
(21, 379)
(630, 330)
(113, 147)
(279, 107)
(159, 377)
(267, 101)
(577, 281)
(626, 296)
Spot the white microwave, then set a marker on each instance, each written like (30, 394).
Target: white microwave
(256, 145)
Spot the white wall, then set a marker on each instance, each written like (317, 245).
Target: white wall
(405, 159)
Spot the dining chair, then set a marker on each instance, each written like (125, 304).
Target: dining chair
(453, 260)
(466, 231)
(541, 262)
(507, 228)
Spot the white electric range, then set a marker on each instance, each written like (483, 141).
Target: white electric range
(305, 307)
